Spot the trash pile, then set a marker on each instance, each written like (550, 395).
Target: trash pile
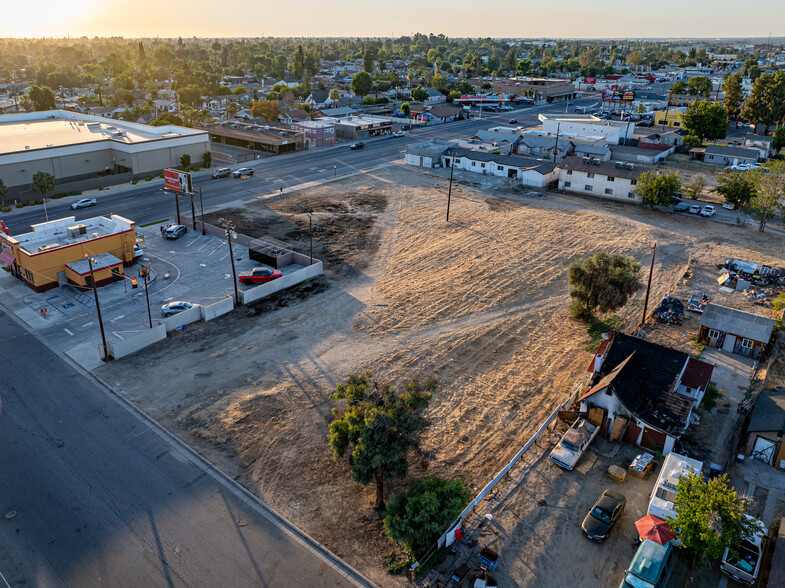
(697, 301)
(669, 311)
(753, 279)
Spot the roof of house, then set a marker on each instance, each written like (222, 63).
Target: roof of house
(605, 168)
(497, 137)
(737, 322)
(338, 111)
(320, 96)
(754, 137)
(592, 149)
(769, 412)
(430, 148)
(445, 110)
(539, 165)
(433, 92)
(642, 375)
(731, 151)
(697, 374)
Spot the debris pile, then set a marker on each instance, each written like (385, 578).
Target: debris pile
(669, 310)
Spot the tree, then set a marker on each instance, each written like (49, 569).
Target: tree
(185, 161)
(166, 118)
(369, 56)
(769, 194)
(419, 94)
(406, 109)
(3, 192)
(691, 141)
(266, 109)
(41, 98)
(695, 188)
(379, 428)
(635, 58)
(602, 282)
(334, 95)
(766, 103)
(455, 94)
(679, 88)
(779, 138)
(704, 119)
(190, 94)
(523, 68)
(709, 515)
(419, 516)
(298, 62)
(656, 189)
(737, 188)
(43, 183)
(362, 83)
(751, 69)
(207, 159)
(700, 86)
(733, 96)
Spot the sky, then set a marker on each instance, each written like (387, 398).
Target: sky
(349, 18)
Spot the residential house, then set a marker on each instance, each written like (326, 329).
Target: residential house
(728, 156)
(639, 384)
(659, 136)
(604, 179)
(763, 143)
(435, 97)
(735, 331)
(601, 152)
(544, 146)
(339, 112)
(165, 105)
(504, 142)
(446, 112)
(647, 155)
(523, 170)
(766, 429)
(288, 116)
(426, 154)
(319, 99)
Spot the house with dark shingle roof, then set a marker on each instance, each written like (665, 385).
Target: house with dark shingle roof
(766, 428)
(728, 156)
(537, 173)
(735, 331)
(643, 388)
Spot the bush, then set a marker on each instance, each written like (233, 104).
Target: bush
(161, 176)
(31, 202)
(134, 181)
(58, 195)
(75, 193)
(101, 188)
(148, 178)
(20, 204)
(195, 168)
(5, 209)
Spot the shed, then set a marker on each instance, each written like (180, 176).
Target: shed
(766, 428)
(735, 331)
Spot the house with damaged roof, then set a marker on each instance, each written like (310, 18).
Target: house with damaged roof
(646, 390)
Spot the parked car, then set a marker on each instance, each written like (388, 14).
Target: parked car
(729, 205)
(603, 515)
(741, 167)
(221, 172)
(172, 308)
(175, 231)
(644, 123)
(399, 134)
(513, 121)
(742, 563)
(651, 566)
(682, 207)
(258, 275)
(755, 165)
(574, 444)
(694, 209)
(708, 210)
(138, 251)
(357, 145)
(243, 171)
(84, 203)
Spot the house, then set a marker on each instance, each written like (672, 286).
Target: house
(288, 116)
(660, 136)
(319, 99)
(426, 154)
(604, 179)
(763, 143)
(339, 112)
(647, 155)
(524, 170)
(766, 428)
(544, 146)
(642, 388)
(505, 142)
(728, 156)
(435, 97)
(735, 331)
(446, 112)
(166, 105)
(601, 152)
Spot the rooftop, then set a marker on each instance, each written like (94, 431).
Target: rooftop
(769, 412)
(587, 119)
(101, 261)
(737, 322)
(732, 151)
(59, 128)
(67, 231)
(539, 165)
(606, 168)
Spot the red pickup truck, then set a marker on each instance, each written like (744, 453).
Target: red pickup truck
(259, 275)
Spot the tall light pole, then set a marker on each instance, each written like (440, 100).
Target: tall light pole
(229, 229)
(144, 273)
(449, 190)
(201, 205)
(98, 307)
(310, 231)
(193, 211)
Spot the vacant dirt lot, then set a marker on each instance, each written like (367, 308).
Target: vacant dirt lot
(481, 301)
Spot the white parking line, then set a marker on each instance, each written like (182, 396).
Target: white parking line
(194, 241)
(69, 332)
(205, 245)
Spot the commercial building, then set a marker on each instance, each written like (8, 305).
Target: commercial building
(428, 153)
(539, 89)
(605, 179)
(318, 133)
(80, 149)
(362, 127)
(54, 252)
(615, 132)
(268, 139)
(670, 117)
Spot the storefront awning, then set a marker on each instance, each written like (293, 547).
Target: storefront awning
(7, 258)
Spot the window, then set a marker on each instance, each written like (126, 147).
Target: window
(634, 182)
(746, 343)
(630, 194)
(482, 165)
(611, 178)
(590, 175)
(567, 184)
(714, 334)
(474, 164)
(608, 191)
(457, 161)
(569, 172)
(587, 187)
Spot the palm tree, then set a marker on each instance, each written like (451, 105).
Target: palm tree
(334, 96)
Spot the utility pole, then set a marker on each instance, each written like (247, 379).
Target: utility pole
(229, 228)
(449, 191)
(177, 205)
(193, 211)
(98, 307)
(144, 273)
(310, 232)
(648, 288)
(201, 205)
(556, 147)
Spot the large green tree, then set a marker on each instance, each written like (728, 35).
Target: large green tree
(709, 515)
(766, 103)
(769, 197)
(700, 86)
(379, 428)
(707, 120)
(737, 188)
(419, 516)
(362, 83)
(602, 282)
(733, 96)
(419, 94)
(41, 98)
(679, 87)
(657, 189)
(3, 192)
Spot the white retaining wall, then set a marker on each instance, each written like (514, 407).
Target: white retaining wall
(183, 318)
(122, 347)
(211, 311)
(284, 282)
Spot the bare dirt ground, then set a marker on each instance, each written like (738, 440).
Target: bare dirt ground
(481, 301)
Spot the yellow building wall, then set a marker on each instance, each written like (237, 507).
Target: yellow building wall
(673, 118)
(101, 275)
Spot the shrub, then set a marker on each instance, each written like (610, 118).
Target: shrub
(134, 181)
(31, 202)
(75, 193)
(101, 188)
(148, 178)
(5, 209)
(20, 204)
(195, 168)
(161, 176)
(58, 195)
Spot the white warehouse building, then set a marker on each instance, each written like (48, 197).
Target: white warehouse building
(616, 132)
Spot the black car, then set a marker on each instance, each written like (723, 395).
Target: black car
(223, 172)
(603, 515)
(357, 145)
(175, 231)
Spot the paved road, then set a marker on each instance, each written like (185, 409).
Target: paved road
(92, 495)
(145, 204)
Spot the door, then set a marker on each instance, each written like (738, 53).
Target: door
(631, 433)
(653, 439)
(730, 341)
(764, 450)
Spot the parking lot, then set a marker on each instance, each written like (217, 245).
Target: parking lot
(195, 268)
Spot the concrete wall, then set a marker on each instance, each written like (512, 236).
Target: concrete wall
(282, 283)
(211, 311)
(129, 345)
(183, 318)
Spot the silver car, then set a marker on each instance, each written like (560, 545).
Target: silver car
(171, 308)
(84, 203)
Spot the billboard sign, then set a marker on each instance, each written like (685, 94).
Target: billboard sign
(177, 181)
(618, 96)
(589, 80)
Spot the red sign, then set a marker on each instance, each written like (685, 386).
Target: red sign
(177, 181)
(589, 80)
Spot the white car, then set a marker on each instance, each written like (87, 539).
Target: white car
(399, 134)
(84, 203)
(741, 167)
(138, 251)
(708, 210)
(728, 205)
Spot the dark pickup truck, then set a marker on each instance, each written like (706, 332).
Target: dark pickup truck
(259, 275)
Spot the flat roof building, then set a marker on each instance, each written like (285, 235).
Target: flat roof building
(76, 147)
(268, 139)
(362, 127)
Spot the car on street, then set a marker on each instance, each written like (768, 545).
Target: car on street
(399, 134)
(728, 205)
(84, 203)
(513, 121)
(138, 252)
(694, 209)
(172, 308)
(644, 123)
(357, 145)
(681, 207)
(259, 275)
(221, 172)
(708, 210)
(243, 171)
(741, 167)
(603, 515)
(175, 231)
(755, 165)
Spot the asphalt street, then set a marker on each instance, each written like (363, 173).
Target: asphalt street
(93, 494)
(144, 204)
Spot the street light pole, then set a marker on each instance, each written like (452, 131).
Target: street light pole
(201, 205)
(177, 205)
(98, 308)
(193, 211)
(144, 273)
(310, 232)
(449, 191)
(229, 228)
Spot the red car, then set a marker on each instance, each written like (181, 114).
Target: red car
(259, 275)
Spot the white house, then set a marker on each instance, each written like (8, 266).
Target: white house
(729, 156)
(605, 179)
(427, 154)
(586, 125)
(763, 143)
(525, 171)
